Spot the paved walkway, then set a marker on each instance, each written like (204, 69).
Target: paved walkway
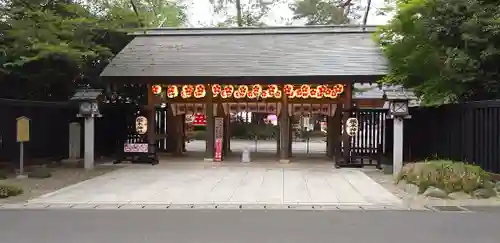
(227, 184)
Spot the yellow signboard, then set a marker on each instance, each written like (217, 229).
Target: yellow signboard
(23, 129)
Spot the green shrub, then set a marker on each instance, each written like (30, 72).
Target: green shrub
(9, 191)
(446, 175)
(3, 174)
(40, 173)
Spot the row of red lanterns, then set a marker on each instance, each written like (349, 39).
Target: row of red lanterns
(252, 91)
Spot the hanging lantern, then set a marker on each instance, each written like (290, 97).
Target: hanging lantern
(223, 94)
(141, 125)
(288, 89)
(305, 90)
(272, 89)
(243, 89)
(277, 94)
(328, 93)
(156, 89)
(251, 94)
(228, 89)
(338, 89)
(172, 91)
(256, 89)
(264, 94)
(216, 89)
(320, 93)
(297, 93)
(187, 91)
(312, 93)
(199, 91)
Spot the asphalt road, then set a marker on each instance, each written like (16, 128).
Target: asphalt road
(220, 226)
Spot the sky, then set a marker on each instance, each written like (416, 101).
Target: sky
(200, 13)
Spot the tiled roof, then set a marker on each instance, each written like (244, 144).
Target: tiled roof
(86, 94)
(373, 91)
(247, 52)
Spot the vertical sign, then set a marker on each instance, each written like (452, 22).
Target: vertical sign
(219, 133)
(23, 135)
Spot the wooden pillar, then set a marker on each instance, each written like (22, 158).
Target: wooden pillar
(179, 135)
(278, 143)
(345, 115)
(290, 135)
(227, 134)
(221, 114)
(210, 136)
(171, 125)
(329, 136)
(151, 134)
(284, 131)
(184, 133)
(337, 133)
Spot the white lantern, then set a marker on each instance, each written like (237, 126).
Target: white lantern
(141, 125)
(352, 126)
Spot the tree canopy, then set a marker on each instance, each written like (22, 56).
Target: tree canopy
(326, 12)
(446, 51)
(48, 48)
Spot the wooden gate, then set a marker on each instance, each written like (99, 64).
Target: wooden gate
(369, 144)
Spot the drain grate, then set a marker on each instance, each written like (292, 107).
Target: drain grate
(448, 208)
(489, 209)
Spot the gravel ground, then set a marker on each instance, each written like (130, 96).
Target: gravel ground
(420, 202)
(61, 177)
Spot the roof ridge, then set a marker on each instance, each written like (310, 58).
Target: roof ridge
(277, 30)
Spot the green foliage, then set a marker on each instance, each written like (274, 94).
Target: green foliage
(251, 131)
(48, 48)
(249, 13)
(446, 175)
(10, 191)
(324, 12)
(447, 51)
(3, 174)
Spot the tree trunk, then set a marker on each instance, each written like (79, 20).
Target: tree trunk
(365, 18)
(238, 13)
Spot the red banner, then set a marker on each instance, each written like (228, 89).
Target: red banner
(218, 150)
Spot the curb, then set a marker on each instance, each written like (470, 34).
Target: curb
(89, 206)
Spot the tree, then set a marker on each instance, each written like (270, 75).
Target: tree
(326, 12)
(48, 48)
(445, 51)
(250, 13)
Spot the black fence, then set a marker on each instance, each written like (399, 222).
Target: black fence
(463, 132)
(49, 129)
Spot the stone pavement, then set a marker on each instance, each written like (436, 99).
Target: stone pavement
(205, 185)
(314, 146)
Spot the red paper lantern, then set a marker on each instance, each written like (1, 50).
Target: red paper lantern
(156, 89)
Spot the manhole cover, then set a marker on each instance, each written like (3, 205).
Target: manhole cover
(490, 209)
(448, 208)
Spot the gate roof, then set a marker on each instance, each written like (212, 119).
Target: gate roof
(346, 53)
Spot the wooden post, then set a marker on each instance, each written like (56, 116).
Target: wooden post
(284, 131)
(227, 134)
(179, 135)
(346, 114)
(171, 131)
(210, 135)
(151, 134)
(337, 133)
(290, 135)
(329, 136)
